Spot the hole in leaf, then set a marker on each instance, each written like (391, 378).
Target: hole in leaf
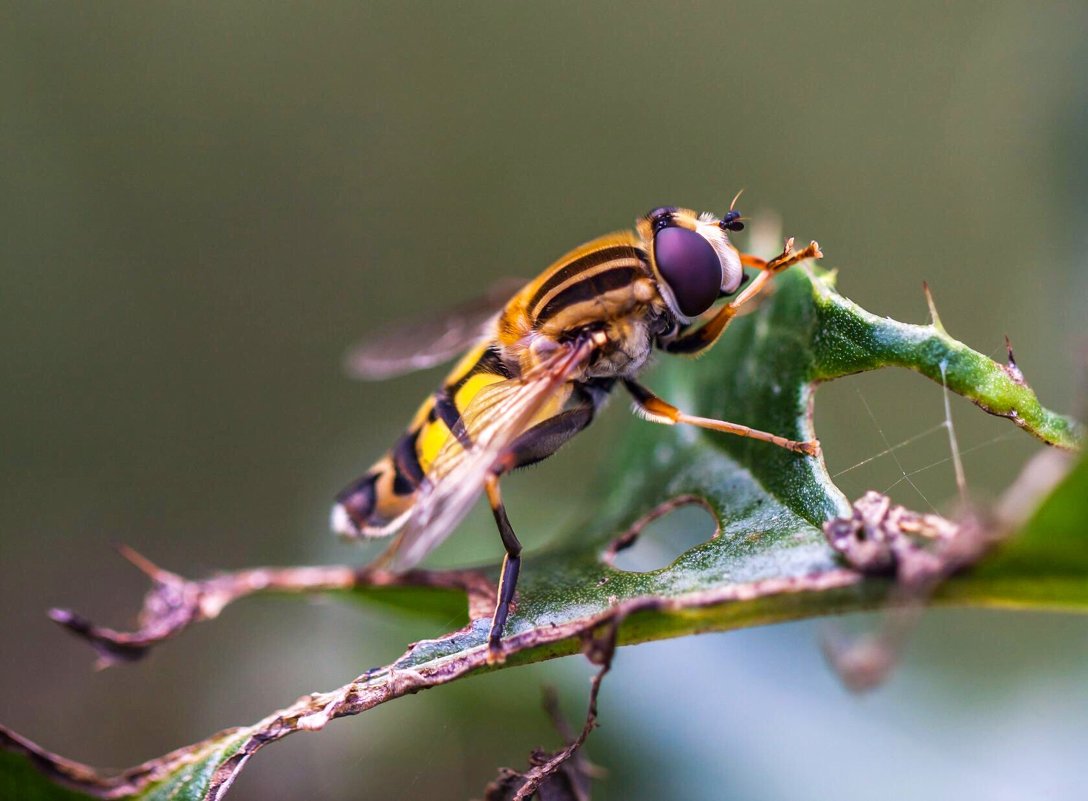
(886, 431)
(658, 538)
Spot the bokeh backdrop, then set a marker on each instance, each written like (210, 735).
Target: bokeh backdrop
(205, 204)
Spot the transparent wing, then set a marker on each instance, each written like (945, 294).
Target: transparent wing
(494, 419)
(430, 341)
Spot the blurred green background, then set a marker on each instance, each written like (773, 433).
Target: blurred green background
(205, 204)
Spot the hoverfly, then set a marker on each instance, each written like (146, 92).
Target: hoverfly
(538, 366)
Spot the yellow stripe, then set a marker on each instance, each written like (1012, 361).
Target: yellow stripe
(616, 239)
(434, 434)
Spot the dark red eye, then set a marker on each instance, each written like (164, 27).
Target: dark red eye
(690, 267)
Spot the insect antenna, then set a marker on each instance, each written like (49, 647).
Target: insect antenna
(732, 219)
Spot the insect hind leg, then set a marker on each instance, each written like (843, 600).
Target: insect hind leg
(537, 443)
(511, 566)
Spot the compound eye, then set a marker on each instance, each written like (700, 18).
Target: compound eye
(690, 266)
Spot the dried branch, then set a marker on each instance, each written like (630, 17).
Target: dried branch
(565, 774)
(922, 550)
(600, 651)
(174, 603)
(465, 651)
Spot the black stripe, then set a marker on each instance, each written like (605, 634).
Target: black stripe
(639, 392)
(593, 390)
(572, 269)
(408, 473)
(587, 289)
(490, 363)
(448, 413)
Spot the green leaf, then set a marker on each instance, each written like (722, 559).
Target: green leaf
(1045, 565)
(770, 504)
(769, 561)
(19, 779)
(187, 773)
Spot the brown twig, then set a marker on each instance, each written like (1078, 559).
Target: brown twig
(174, 603)
(465, 652)
(600, 651)
(569, 781)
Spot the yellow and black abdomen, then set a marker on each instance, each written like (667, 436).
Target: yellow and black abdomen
(375, 504)
(605, 283)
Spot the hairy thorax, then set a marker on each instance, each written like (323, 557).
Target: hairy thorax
(629, 341)
(629, 344)
(627, 315)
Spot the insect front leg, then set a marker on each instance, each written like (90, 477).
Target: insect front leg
(695, 342)
(539, 442)
(656, 410)
(786, 258)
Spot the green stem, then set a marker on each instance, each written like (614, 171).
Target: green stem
(852, 340)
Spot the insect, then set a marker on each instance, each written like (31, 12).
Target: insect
(540, 362)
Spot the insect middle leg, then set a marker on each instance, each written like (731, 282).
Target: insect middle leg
(537, 443)
(657, 410)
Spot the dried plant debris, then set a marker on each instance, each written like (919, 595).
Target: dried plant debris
(568, 783)
(921, 551)
(770, 560)
(881, 538)
(563, 775)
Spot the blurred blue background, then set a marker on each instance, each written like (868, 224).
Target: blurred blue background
(205, 204)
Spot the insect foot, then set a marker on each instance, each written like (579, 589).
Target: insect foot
(789, 256)
(495, 654)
